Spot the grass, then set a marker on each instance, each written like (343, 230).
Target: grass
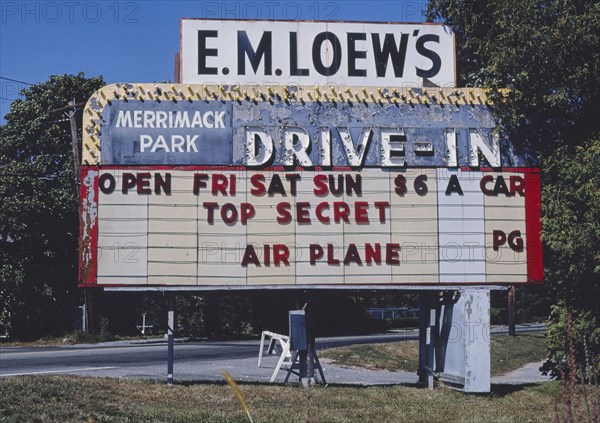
(507, 353)
(48, 399)
(43, 342)
(391, 356)
(511, 352)
(73, 339)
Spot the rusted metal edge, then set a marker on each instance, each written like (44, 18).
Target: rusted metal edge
(88, 227)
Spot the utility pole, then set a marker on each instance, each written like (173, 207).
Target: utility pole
(70, 111)
(511, 311)
(74, 142)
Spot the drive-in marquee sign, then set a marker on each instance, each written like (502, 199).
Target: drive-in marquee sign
(303, 186)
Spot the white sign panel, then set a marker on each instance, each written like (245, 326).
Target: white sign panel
(307, 53)
(199, 227)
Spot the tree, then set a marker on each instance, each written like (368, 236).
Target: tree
(571, 223)
(39, 208)
(547, 53)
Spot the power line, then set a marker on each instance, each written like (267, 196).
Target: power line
(7, 99)
(15, 80)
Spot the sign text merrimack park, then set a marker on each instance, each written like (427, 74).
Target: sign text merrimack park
(239, 186)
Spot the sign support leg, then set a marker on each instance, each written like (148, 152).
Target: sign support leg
(88, 299)
(170, 337)
(426, 338)
(474, 305)
(512, 330)
(212, 316)
(454, 339)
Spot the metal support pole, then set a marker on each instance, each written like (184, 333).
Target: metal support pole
(427, 338)
(512, 321)
(170, 337)
(88, 298)
(84, 327)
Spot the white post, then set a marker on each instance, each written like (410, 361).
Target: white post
(464, 344)
(454, 338)
(83, 318)
(477, 343)
(170, 337)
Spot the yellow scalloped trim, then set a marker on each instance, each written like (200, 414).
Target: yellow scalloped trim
(290, 94)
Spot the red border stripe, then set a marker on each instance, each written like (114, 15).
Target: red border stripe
(533, 227)
(88, 274)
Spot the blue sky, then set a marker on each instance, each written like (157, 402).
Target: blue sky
(136, 41)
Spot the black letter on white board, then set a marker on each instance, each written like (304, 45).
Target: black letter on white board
(431, 55)
(203, 52)
(336, 54)
(294, 70)
(382, 55)
(454, 186)
(254, 56)
(354, 54)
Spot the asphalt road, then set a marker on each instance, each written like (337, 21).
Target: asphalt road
(140, 354)
(193, 360)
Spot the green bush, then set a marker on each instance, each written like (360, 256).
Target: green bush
(573, 344)
(498, 316)
(82, 337)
